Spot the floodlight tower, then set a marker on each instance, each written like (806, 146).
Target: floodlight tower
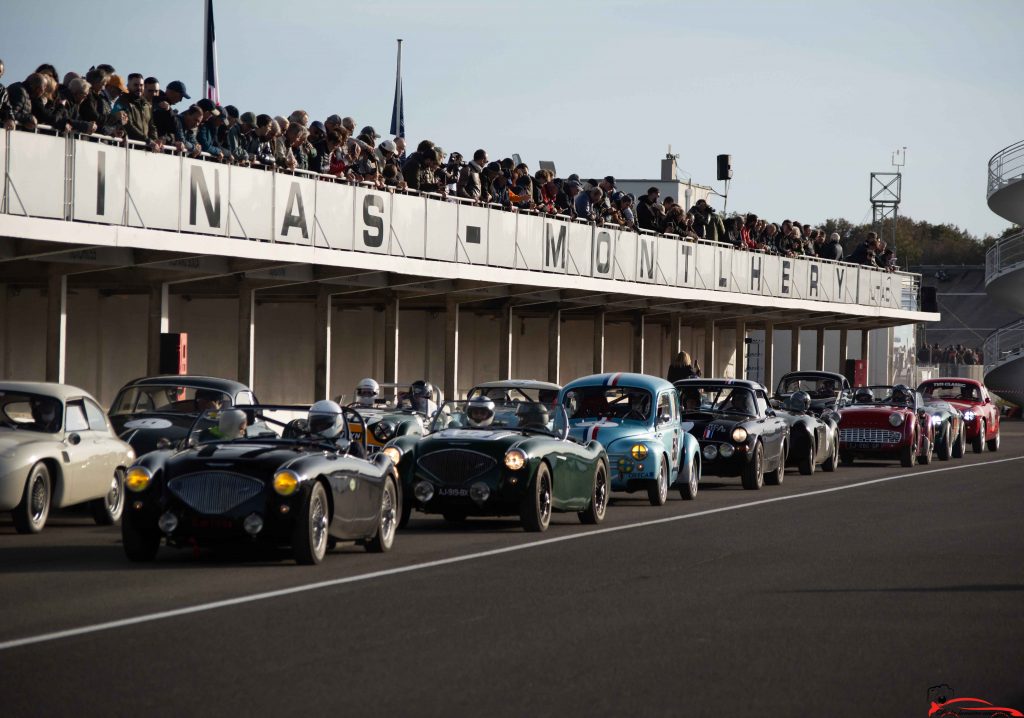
(886, 192)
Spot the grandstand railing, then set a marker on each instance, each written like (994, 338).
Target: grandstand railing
(1006, 167)
(97, 179)
(1004, 256)
(1004, 344)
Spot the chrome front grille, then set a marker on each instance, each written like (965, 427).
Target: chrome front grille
(456, 466)
(214, 492)
(869, 436)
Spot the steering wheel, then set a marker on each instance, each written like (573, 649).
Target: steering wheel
(346, 412)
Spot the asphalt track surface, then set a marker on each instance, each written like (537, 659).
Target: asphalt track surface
(844, 594)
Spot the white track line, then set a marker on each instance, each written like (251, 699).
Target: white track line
(202, 607)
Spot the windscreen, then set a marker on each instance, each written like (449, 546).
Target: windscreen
(523, 415)
(167, 399)
(816, 387)
(717, 399)
(956, 390)
(608, 402)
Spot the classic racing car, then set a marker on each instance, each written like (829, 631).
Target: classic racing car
(481, 458)
(886, 422)
(305, 488)
(636, 417)
(157, 411)
(56, 450)
(395, 411)
(827, 389)
(813, 434)
(981, 415)
(512, 390)
(738, 431)
(950, 429)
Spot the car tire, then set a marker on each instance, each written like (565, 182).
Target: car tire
(960, 445)
(908, 454)
(945, 449)
(309, 537)
(658, 494)
(926, 456)
(387, 519)
(689, 490)
(993, 443)
(535, 510)
(30, 515)
(775, 478)
(107, 510)
(806, 467)
(833, 460)
(595, 511)
(978, 442)
(140, 542)
(753, 473)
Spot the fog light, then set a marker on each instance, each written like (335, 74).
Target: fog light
(167, 522)
(479, 492)
(513, 480)
(424, 491)
(253, 524)
(710, 451)
(137, 506)
(285, 508)
(726, 450)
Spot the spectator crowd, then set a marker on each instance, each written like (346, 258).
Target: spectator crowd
(958, 354)
(138, 108)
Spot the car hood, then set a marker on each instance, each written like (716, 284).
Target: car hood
(712, 427)
(484, 440)
(974, 406)
(607, 430)
(259, 460)
(143, 431)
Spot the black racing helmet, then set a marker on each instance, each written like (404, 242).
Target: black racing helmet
(422, 388)
(532, 414)
(902, 394)
(863, 395)
(798, 401)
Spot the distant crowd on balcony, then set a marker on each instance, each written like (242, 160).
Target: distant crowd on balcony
(101, 102)
(952, 354)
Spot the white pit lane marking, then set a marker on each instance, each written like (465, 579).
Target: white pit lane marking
(252, 598)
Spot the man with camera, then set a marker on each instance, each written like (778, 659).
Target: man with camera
(706, 222)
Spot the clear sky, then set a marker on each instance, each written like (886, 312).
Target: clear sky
(808, 97)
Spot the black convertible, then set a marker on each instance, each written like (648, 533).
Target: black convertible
(826, 389)
(813, 433)
(306, 488)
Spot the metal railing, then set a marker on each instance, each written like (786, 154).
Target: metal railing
(1004, 344)
(1004, 256)
(1005, 167)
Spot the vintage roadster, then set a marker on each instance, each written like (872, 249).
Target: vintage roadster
(981, 415)
(950, 431)
(394, 411)
(826, 389)
(157, 411)
(813, 432)
(481, 458)
(56, 450)
(512, 390)
(305, 488)
(886, 422)
(636, 417)
(739, 433)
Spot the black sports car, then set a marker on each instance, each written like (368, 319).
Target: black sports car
(827, 389)
(950, 429)
(297, 489)
(813, 433)
(739, 433)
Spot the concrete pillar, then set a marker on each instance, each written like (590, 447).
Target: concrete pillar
(554, 344)
(5, 339)
(159, 323)
(865, 353)
(769, 356)
(391, 333)
(56, 327)
(599, 342)
(246, 332)
(844, 342)
(505, 342)
(451, 349)
(819, 350)
(322, 344)
(741, 349)
(675, 336)
(794, 349)
(708, 368)
(637, 364)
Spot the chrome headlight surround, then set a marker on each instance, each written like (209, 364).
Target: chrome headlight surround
(896, 419)
(709, 452)
(638, 452)
(393, 453)
(726, 451)
(384, 431)
(739, 435)
(515, 459)
(286, 482)
(138, 478)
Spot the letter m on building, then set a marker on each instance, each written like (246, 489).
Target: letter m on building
(554, 250)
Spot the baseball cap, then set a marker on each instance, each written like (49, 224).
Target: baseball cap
(206, 105)
(179, 87)
(610, 180)
(231, 111)
(334, 119)
(317, 125)
(368, 130)
(388, 146)
(248, 118)
(117, 82)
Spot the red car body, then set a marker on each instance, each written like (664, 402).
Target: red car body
(867, 431)
(981, 415)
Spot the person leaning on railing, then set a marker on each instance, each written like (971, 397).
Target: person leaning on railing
(139, 126)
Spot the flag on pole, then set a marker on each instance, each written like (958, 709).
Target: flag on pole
(211, 83)
(398, 110)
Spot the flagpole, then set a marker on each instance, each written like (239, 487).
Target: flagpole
(398, 109)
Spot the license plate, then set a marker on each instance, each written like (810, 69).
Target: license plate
(866, 445)
(448, 491)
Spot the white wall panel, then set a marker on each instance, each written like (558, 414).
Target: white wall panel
(251, 201)
(36, 175)
(101, 173)
(154, 187)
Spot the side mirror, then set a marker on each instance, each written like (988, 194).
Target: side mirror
(988, 400)
(664, 418)
(74, 439)
(769, 412)
(163, 443)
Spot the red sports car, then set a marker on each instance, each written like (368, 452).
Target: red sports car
(886, 422)
(981, 415)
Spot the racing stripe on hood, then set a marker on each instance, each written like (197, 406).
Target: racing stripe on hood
(613, 380)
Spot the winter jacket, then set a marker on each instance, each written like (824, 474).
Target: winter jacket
(831, 250)
(140, 125)
(96, 108)
(21, 102)
(6, 113)
(470, 184)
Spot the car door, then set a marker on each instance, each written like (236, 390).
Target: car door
(83, 462)
(666, 429)
(109, 450)
(773, 428)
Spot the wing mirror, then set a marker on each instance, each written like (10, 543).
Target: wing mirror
(769, 412)
(664, 418)
(74, 439)
(163, 443)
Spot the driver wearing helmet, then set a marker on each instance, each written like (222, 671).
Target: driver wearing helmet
(902, 395)
(231, 424)
(863, 395)
(421, 395)
(799, 402)
(479, 412)
(367, 391)
(533, 416)
(45, 414)
(327, 421)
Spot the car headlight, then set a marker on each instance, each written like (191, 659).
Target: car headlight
(739, 434)
(383, 430)
(968, 415)
(638, 452)
(393, 453)
(515, 459)
(285, 482)
(726, 450)
(710, 451)
(138, 478)
(896, 419)
(936, 419)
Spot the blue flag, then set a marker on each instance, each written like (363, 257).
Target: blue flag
(398, 110)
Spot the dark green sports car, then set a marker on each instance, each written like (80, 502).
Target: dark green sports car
(522, 462)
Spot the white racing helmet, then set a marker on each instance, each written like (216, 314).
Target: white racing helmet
(367, 391)
(326, 419)
(480, 411)
(231, 423)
